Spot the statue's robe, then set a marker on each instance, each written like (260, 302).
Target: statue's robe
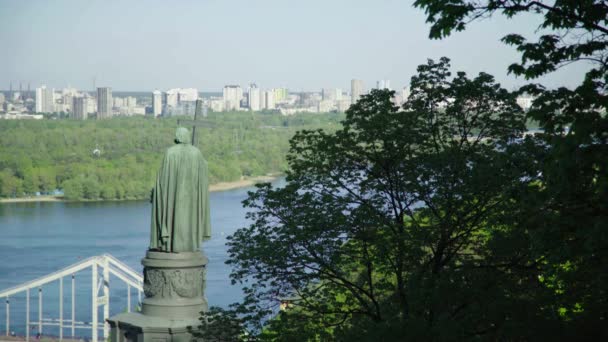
(180, 200)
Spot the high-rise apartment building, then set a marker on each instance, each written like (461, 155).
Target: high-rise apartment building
(130, 102)
(171, 97)
(280, 94)
(104, 102)
(157, 103)
(405, 93)
(187, 94)
(118, 102)
(269, 102)
(356, 90)
(232, 96)
(45, 102)
(331, 94)
(177, 101)
(383, 84)
(254, 97)
(79, 107)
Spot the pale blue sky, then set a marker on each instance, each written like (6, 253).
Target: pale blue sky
(303, 45)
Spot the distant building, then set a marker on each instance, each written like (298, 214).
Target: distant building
(140, 110)
(66, 99)
(217, 105)
(280, 94)
(326, 94)
(383, 84)
(118, 102)
(130, 102)
(343, 105)
(525, 101)
(44, 100)
(254, 97)
(397, 99)
(69, 91)
(356, 90)
(171, 98)
(232, 96)
(333, 94)
(182, 108)
(325, 106)
(405, 93)
(176, 96)
(79, 108)
(91, 104)
(67, 103)
(157, 103)
(104, 103)
(187, 94)
(269, 102)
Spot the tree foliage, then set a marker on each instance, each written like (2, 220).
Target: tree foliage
(119, 158)
(439, 221)
(567, 216)
(399, 225)
(577, 30)
(219, 325)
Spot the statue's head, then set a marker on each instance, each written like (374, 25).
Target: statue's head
(182, 136)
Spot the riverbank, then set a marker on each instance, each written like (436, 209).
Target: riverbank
(32, 199)
(243, 183)
(222, 186)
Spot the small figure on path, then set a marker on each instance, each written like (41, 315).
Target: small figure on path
(180, 199)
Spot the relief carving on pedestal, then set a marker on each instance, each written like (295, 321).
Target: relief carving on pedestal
(185, 283)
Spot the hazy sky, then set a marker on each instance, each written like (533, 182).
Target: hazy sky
(302, 45)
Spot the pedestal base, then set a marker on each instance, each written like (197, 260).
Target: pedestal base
(174, 286)
(136, 327)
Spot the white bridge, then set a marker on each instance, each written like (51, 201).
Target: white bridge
(108, 265)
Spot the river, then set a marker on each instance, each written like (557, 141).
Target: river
(39, 238)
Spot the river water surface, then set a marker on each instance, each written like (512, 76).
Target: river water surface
(39, 238)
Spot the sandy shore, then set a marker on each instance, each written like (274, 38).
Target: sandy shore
(222, 186)
(32, 199)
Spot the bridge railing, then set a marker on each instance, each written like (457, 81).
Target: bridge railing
(108, 266)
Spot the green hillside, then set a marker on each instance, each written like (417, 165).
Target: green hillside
(39, 156)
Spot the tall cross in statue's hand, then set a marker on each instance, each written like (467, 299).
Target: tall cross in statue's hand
(201, 110)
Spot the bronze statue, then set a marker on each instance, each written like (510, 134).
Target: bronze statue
(180, 199)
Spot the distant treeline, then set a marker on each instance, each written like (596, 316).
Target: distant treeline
(119, 158)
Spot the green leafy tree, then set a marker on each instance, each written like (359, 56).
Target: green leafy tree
(73, 189)
(30, 181)
(108, 192)
(90, 188)
(43, 154)
(219, 325)
(567, 214)
(10, 185)
(47, 179)
(386, 227)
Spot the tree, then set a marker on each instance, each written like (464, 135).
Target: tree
(10, 186)
(567, 215)
(90, 188)
(386, 226)
(218, 325)
(44, 154)
(73, 189)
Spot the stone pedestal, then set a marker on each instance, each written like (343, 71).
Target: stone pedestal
(174, 286)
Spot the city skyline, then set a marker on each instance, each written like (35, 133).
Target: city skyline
(206, 45)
